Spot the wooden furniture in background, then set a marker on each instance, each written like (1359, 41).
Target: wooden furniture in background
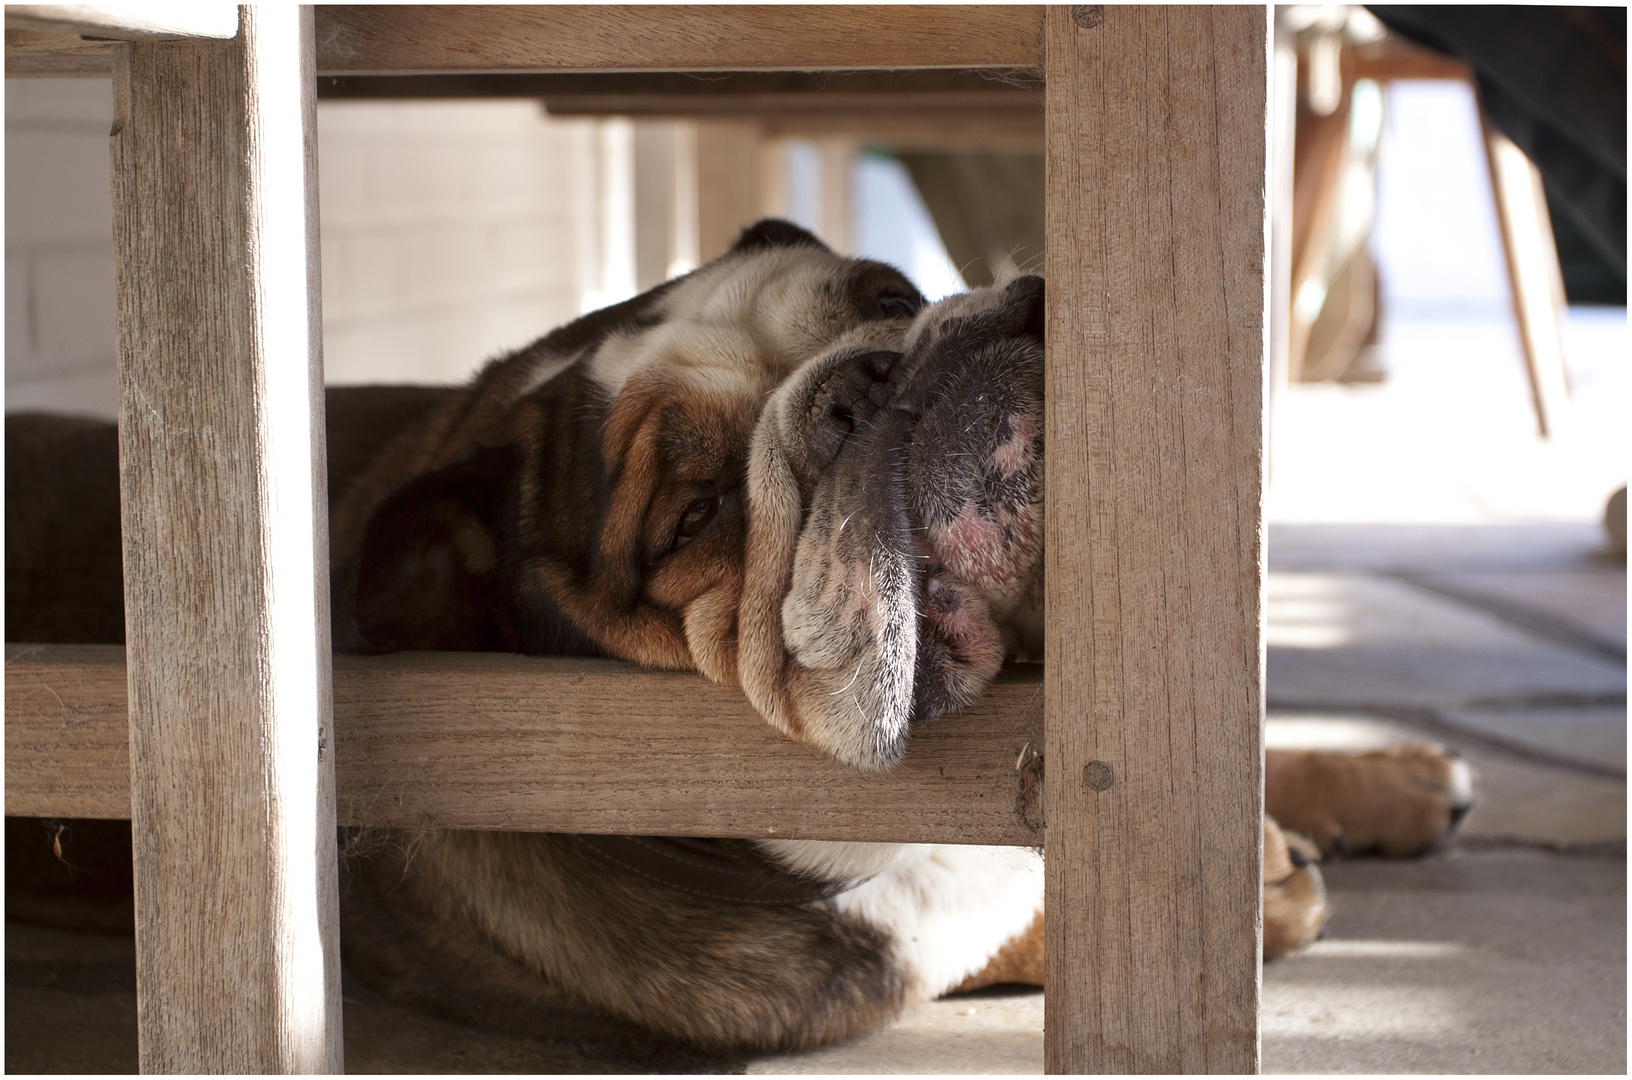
(1152, 693)
(1537, 290)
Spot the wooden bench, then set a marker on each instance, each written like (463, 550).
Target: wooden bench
(1151, 695)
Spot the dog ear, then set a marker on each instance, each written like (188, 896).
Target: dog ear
(775, 233)
(428, 571)
(1023, 304)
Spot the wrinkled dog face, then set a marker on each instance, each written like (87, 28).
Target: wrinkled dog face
(779, 470)
(895, 525)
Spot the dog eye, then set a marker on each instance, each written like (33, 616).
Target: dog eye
(695, 520)
(897, 303)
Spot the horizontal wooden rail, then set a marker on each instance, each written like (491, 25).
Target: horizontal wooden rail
(459, 38)
(487, 741)
(128, 22)
(392, 40)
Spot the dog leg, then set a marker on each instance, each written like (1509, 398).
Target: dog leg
(1295, 914)
(1020, 960)
(1295, 910)
(1405, 800)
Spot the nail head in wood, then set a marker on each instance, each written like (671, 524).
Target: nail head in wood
(1087, 16)
(1098, 775)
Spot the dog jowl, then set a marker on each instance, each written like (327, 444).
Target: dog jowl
(894, 548)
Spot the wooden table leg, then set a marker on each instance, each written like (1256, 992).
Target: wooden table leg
(224, 518)
(1153, 686)
(1533, 273)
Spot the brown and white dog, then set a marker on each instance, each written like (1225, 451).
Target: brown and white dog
(786, 472)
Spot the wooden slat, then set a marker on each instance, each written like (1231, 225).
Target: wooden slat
(476, 740)
(128, 22)
(34, 54)
(67, 731)
(1153, 675)
(225, 556)
(1535, 281)
(468, 39)
(849, 90)
(1395, 57)
(411, 39)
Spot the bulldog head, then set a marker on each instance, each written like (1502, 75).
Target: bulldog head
(895, 525)
(780, 470)
(585, 494)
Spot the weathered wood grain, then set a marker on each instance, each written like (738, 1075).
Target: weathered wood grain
(392, 39)
(413, 39)
(1154, 672)
(67, 731)
(225, 554)
(476, 740)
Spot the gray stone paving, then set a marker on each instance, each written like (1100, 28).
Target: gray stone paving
(1480, 961)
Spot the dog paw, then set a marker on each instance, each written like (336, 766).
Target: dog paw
(1406, 800)
(1295, 909)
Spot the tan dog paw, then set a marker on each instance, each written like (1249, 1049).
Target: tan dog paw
(1295, 910)
(1405, 800)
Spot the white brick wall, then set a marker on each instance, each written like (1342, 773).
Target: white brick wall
(449, 233)
(452, 232)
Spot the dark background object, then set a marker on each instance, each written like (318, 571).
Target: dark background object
(1552, 79)
(1589, 278)
(987, 206)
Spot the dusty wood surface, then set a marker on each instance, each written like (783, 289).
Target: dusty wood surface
(128, 22)
(558, 745)
(387, 39)
(1153, 680)
(222, 507)
(1533, 274)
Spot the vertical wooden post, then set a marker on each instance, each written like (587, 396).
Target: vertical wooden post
(838, 156)
(1153, 686)
(224, 519)
(1533, 273)
(730, 191)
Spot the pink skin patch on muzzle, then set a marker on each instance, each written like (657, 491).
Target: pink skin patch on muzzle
(1015, 454)
(964, 626)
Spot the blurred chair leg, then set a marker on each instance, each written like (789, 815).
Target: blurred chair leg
(1532, 271)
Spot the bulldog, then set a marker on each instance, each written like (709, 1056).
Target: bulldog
(784, 471)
